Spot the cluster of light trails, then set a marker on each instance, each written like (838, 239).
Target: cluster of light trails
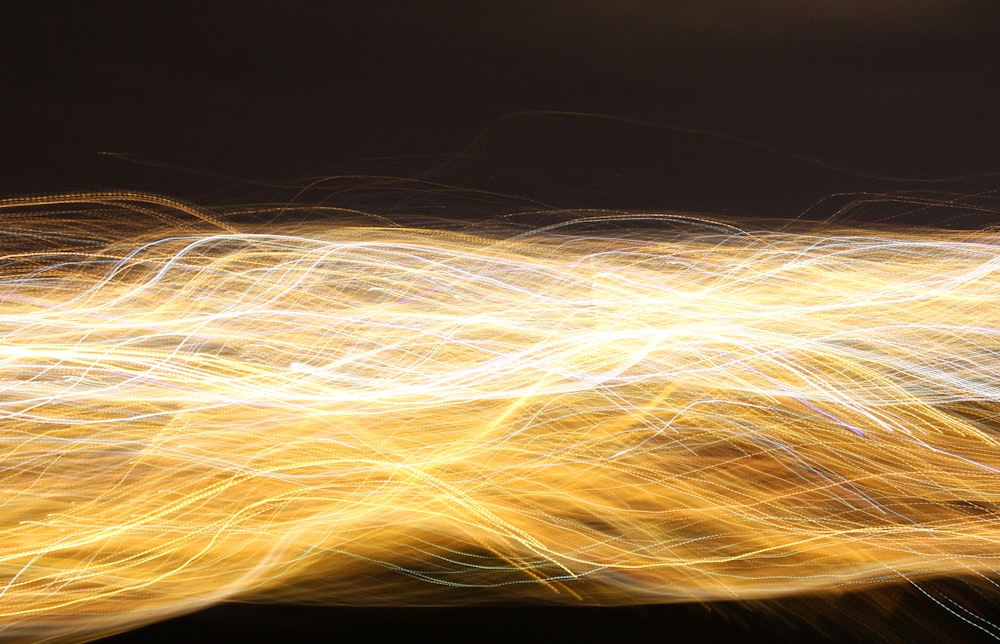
(193, 411)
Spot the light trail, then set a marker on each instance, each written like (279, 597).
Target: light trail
(194, 410)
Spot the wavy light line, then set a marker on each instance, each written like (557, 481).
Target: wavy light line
(388, 415)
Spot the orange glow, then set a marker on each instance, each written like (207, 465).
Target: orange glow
(196, 410)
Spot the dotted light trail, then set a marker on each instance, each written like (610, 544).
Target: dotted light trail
(192, 411)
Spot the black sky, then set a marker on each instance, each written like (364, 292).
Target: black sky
(728, 106)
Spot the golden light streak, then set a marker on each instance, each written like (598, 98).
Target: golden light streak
(194, 410)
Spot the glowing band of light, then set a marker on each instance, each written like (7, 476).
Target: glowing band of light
(387, 415)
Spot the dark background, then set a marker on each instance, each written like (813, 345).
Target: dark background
(733, 107)
(852, 109)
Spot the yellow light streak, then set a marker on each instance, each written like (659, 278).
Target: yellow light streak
(194, 410)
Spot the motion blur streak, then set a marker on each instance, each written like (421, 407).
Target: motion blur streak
(376, 414)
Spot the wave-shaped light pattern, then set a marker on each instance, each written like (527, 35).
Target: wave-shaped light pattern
(391, 415)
